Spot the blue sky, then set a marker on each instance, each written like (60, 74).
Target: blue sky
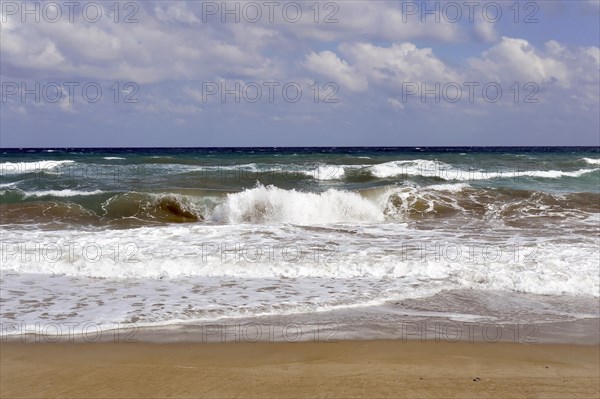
(361, 76)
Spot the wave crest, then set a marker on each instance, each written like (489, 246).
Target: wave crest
(274, 205)
(170, 208)
(444, 171)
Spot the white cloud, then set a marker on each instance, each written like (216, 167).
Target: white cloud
(564, 71)
(328, 64)
(65, 103)
(593, 52)
(485, 30)
(144, 52)
(555, 68)
(517, 60)
(401, 62)
(175, 11)
(367, 20)
(193, 94)
(372, 50)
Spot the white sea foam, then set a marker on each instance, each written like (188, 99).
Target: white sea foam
(419, 167)
(112, 158)
(13, 168)
(592, 161)
(274, 205)
(543, 266)
(553, 174)
(177, 273)
(320, 172)
(452, 187)
(60, 193)
(429, 168)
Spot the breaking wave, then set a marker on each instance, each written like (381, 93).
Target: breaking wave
(274, 205)
(441, 170)
(271, 205)
(592, 161)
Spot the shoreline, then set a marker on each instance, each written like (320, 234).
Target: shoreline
(376, 368)
(368, 324)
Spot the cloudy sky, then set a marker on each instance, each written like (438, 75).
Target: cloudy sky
(346, 73)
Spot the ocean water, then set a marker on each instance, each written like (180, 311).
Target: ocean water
(175, 237)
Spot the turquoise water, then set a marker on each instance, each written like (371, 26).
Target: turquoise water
(93, 177)
(176, 236)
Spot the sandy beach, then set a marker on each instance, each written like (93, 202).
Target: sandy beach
(300, 199)
(345, 369)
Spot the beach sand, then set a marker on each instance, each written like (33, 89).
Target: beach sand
(344, 369)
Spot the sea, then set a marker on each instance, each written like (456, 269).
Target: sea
(359, 240)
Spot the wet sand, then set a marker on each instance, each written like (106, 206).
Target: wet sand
(344, 369)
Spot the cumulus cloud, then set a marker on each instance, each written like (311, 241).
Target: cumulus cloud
(382, 20)
(400, 62)
(516, 59)
(144, 52)
(328, 64)
(384, 66)
(368, 48)
(175, 11)
(556, 68)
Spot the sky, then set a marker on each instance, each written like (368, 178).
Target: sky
(280, 73)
